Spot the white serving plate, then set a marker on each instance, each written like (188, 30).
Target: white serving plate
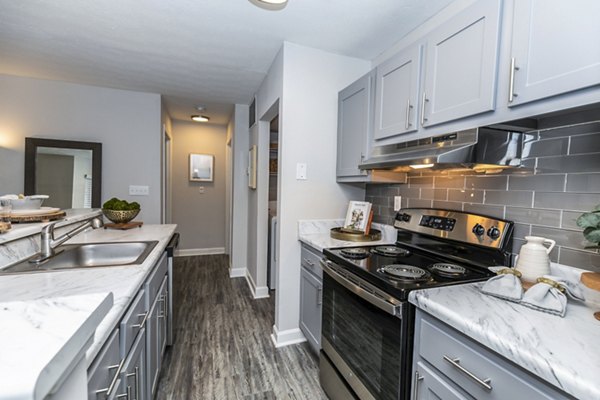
(40, 211)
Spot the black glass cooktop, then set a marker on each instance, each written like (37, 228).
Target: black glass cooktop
(397, 275)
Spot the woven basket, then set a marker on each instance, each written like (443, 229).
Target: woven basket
(120, 216)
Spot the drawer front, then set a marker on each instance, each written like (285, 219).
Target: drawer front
(133, 322)
(153, 283)
(310, 260)
(133, 374)
(104, 372)
(464, 362)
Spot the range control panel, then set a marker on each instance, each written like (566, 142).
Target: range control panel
(435, 222)
(455, 225)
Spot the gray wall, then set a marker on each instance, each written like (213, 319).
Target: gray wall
(563, 181)
(126, 123)
(200, 216)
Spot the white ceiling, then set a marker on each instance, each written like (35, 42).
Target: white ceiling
(212, 52)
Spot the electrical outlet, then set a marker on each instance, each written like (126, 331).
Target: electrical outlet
(139, 190)
(301, 171)
(397, 203)
(201, 190)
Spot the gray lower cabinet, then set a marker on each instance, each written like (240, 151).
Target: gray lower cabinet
(547, 60)
(397, 94)
(311, 297)
(128, 365)
(449, 365)
(355, 121)
(133, 375)
(461, 61)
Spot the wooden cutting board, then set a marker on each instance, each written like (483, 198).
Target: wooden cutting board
(124, 226)
(51, 216)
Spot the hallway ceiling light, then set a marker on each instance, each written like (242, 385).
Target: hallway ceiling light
(200, 118)
(270, 4)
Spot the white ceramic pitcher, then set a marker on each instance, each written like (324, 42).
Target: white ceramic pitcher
(534, 260)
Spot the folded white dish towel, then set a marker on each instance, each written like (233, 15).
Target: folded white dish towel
(505, 286)
(548, 295)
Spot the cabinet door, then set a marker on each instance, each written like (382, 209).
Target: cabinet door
(354, 122)
(427, 385)
(134, 370)
(461, 65)
(396, 94)
(311, 298)
(152, 349)
(555, 46)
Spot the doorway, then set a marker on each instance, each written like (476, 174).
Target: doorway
(273, 183)
(166, 177)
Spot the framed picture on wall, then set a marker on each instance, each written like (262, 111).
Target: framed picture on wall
(252, 158)
(201, 167)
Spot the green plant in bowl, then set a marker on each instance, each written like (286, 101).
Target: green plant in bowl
(590, 222)
(120, 211)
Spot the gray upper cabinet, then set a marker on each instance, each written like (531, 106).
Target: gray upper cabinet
(555, 48)
(461, 65)
(397, 93)
(355, 119)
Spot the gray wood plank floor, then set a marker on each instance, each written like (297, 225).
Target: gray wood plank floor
(223, 348)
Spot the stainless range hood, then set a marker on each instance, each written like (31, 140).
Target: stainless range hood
(479, 148)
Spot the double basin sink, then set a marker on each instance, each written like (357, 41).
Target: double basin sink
(92, 255)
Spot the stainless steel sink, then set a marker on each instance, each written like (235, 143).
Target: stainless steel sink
(91, 255)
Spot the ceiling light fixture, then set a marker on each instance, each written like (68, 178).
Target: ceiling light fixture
(200, 118)
(273, 5)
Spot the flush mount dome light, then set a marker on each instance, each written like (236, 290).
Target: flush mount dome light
(200, 118)
(270, 4)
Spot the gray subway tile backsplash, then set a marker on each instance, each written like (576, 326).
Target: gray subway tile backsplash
(583, 183)
(547, 183)
(543, 201)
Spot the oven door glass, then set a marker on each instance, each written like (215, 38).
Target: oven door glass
(368, 339)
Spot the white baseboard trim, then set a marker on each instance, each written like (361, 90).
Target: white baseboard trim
(259, 292)
(287, 337)
(237, 272)
(199, 252)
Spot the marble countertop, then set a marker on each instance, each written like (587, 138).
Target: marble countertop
(22, 230)
(315, 233)
(122, 281)
(42, 339)
(562, 351)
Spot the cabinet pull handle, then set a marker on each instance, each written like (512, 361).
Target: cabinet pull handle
(137, 386)
(124, 395)
(455, 362)
(143, 323)
(307, 261)
(319, 296)
(418, 378)
(425, 100)
(115, 378)
(408, 107)
(511, 81)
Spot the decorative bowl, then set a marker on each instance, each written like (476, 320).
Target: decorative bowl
(120, 216)
(28, 203)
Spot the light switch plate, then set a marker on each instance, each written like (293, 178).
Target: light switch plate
(135, 190)
(397, 203)
(201, 189)
(301, 171)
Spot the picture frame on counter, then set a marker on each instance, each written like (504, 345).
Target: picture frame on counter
(357, 216)
(201, 167)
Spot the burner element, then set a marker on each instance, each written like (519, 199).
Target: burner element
(391, 251)
(449, 270)
(404, 272)
(355, 252)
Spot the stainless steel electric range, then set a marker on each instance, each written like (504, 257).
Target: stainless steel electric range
(368, 324)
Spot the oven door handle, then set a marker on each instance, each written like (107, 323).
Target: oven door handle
(364, 290)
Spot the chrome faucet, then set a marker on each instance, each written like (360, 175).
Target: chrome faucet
(49, 243)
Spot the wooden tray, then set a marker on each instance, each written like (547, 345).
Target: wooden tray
(342, 234)
(51, 216)
(124, 226)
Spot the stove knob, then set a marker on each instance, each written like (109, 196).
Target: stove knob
(493, 232)
(406, 217)
(478, 230)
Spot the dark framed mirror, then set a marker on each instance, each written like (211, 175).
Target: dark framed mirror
(70, 172)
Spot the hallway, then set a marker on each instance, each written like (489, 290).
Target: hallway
(222, 346)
